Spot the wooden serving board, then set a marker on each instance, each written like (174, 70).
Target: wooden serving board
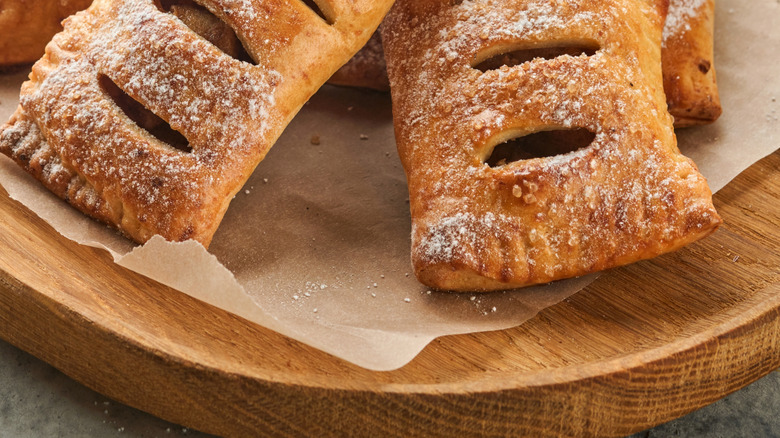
(643, 345)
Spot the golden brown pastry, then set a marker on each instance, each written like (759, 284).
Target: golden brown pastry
(536, 141)
(687, 59)
(688, 62)
(27, 25)
(366, 69)
(210, 27)
(138, 121)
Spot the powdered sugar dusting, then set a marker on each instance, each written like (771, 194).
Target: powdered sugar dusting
(245, 9)
(453, 232)
(545, 218)
(124, 71)
(224, 107)
(680, 14)
(180, 77)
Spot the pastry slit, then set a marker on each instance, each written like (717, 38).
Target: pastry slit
(144, 118)
(540, 144)
(263, 33)
(174, 98)
(516, 54)
(580, 207)
(209, 26)
(79, 135)
(320, 10)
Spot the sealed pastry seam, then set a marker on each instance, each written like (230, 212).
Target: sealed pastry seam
(627, 196)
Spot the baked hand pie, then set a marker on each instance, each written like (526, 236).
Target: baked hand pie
(27, 25)
(138, 121)
(536, 141)
(688, 62)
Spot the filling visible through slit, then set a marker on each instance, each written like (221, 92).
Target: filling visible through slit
(511, 56)
(314, 6)
(208, 26)
(539, 145)
(142, 117)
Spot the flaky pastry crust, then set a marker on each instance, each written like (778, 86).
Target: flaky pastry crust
(688, 63)
(27, 26)
(629, 195)
(71, 134)
(687, 58)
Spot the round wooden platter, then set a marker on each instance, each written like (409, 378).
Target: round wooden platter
(643, 345)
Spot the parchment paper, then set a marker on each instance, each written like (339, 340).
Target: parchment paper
(316, 246)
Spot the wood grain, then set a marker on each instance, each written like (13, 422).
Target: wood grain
(643, 345)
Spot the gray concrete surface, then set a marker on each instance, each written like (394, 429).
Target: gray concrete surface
(36, 400)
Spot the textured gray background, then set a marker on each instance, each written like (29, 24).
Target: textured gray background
(36, 400)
